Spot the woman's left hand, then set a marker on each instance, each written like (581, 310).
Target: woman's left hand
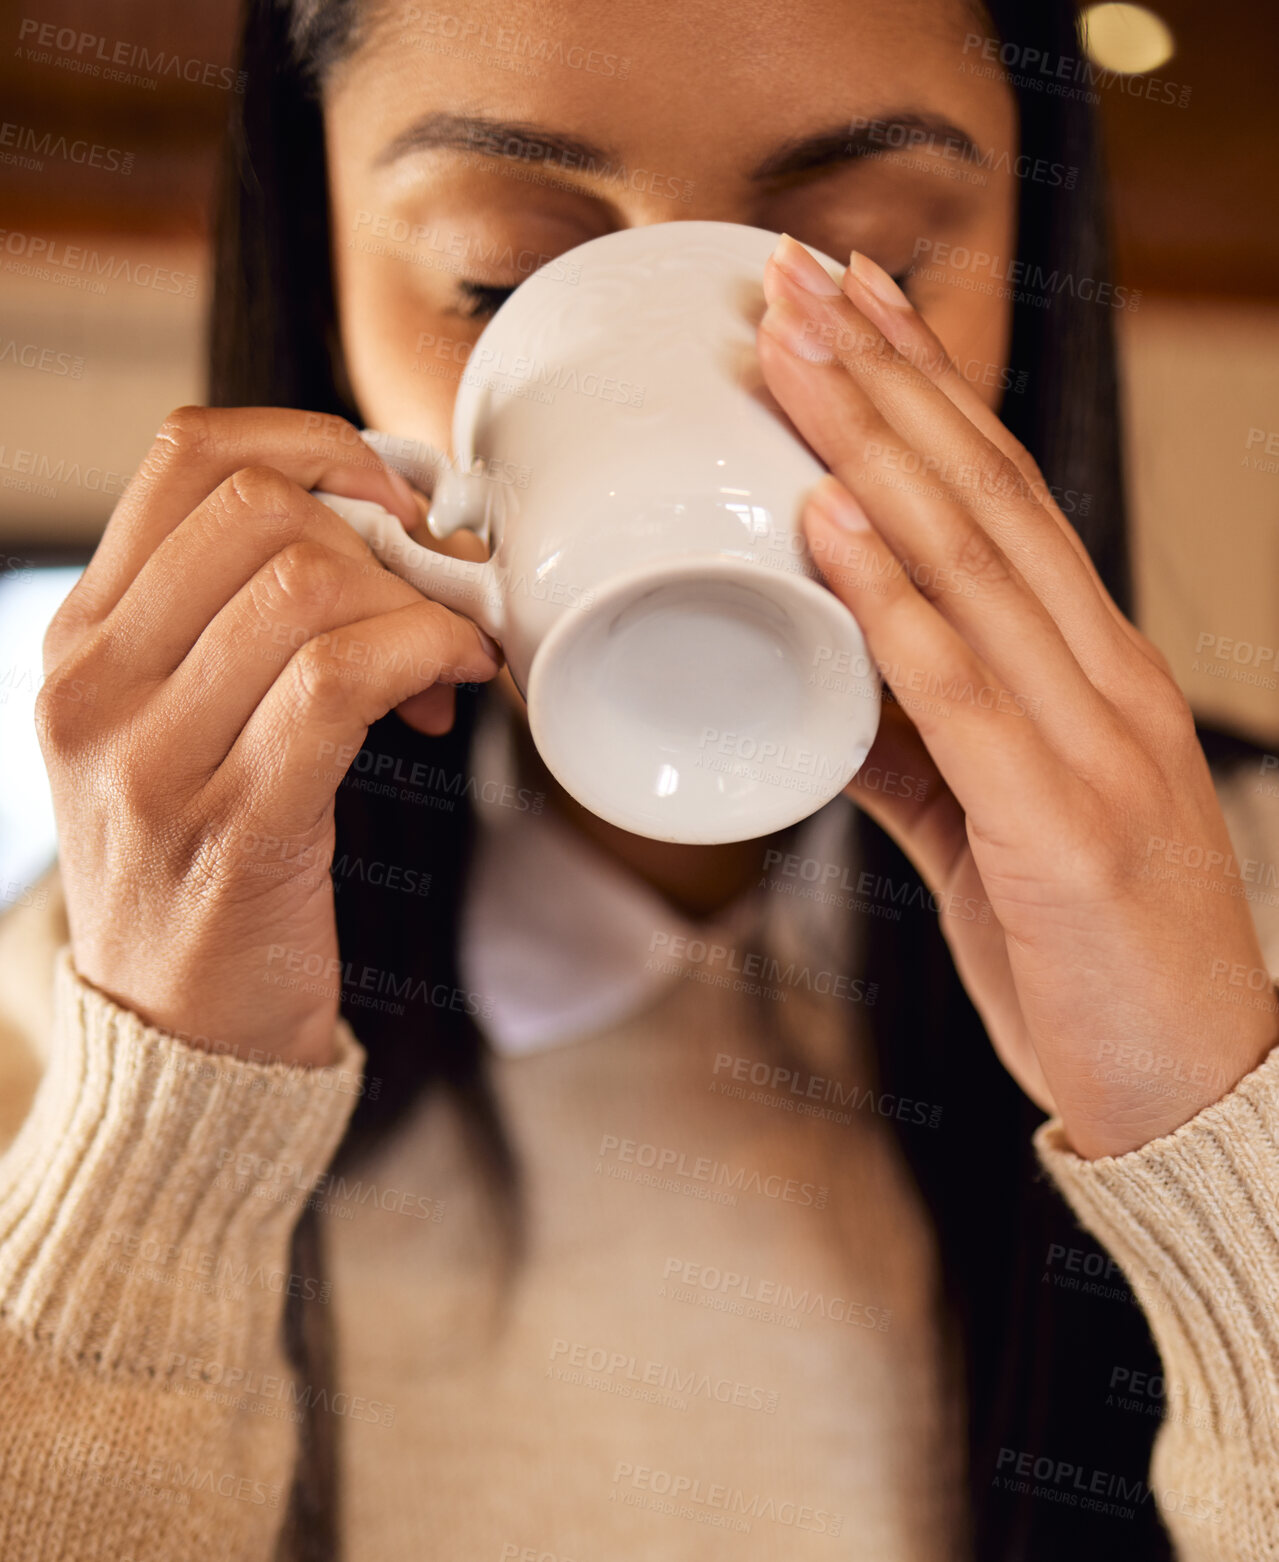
(1063, 779)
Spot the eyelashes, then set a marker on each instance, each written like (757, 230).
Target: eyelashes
(482, 300)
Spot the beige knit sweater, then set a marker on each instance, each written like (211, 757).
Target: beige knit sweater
(142, 1280)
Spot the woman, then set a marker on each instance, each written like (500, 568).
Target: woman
(882, 1331)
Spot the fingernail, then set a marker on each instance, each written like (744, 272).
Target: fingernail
(489, 644)
(804, 269)
(876, 281)
(407, 493)
(833, 501)
(789, 326)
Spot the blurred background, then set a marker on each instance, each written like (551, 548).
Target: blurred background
(104, 279)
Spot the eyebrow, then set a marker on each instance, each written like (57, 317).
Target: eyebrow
(900, 132)
(492, 138)
(520, 142)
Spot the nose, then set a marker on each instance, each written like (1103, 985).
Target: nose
(692, 195)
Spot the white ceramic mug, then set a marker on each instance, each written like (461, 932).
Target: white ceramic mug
(688, 677)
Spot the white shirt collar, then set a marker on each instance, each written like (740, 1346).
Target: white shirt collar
(562, 941)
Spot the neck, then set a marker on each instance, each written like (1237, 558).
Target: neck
(696, 880)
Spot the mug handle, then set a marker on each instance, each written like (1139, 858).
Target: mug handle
(461, 585)
(458, 499)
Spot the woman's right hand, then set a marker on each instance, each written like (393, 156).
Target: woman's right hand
(208, 682)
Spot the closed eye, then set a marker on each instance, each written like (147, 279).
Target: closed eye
(481, 299)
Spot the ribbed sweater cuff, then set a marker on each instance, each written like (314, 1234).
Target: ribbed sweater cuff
(1192, 1218)
(147, 1203)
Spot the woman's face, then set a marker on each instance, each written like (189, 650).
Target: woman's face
(469, 146)
(700, 110)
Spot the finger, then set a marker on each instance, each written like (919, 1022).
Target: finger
(305, 592)
(1008, 497)
(287, 762)
(874, 293)
(255, 516)
(984, 736)
(461, 544)
(951, 560)
(196, 449)
(432, 712)
(930, 830)
(924, 819)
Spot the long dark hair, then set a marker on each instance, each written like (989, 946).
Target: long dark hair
(1037, 1357)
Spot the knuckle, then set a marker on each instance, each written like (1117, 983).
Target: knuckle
(317, 675)
(61, 631)
(1101, 871)
(306, 572)
(185, 437)
(998, 480)
(1011, 463)
(1159, 662)
(185, 433)
(854, 341)
(51, 722)
(1026, 464)
(895, 363)
(60, 706)
(1167, 713)
(206, 859)
(302, 579)
(139, 804)
(1090, 846)
(263, 490)
(977, 558)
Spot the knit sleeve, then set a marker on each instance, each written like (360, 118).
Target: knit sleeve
(147, 1205)
(1192, 1218)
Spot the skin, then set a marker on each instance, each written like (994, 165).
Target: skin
(194, 789)
(1045, 817)
(799, 81)
(1049, 818)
